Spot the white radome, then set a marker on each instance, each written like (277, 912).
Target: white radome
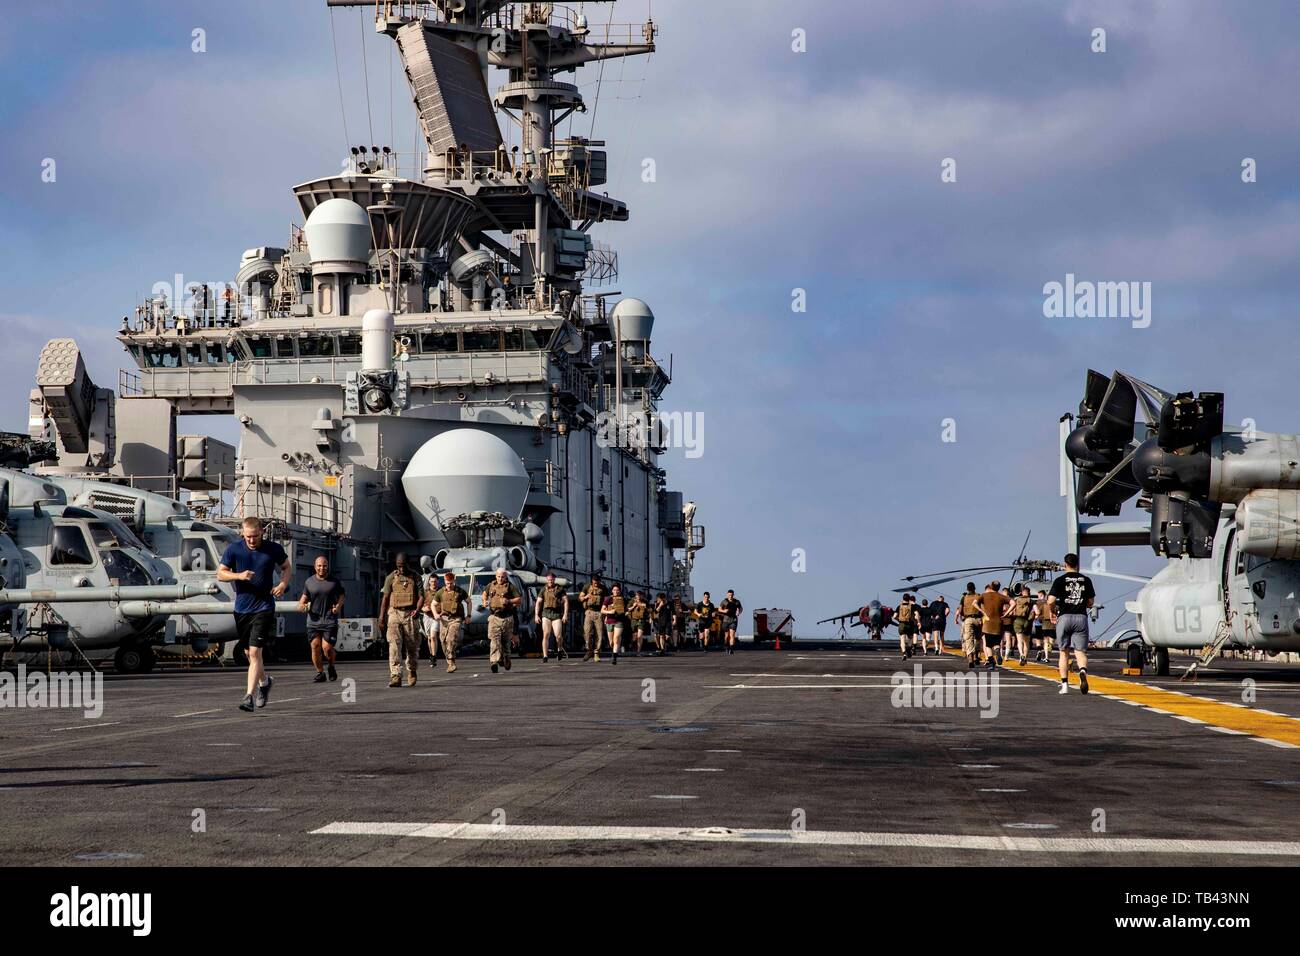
(459, 472)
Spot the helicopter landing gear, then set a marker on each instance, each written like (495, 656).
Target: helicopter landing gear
(134, 658)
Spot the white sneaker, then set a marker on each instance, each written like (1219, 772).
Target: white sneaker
(1065, 688)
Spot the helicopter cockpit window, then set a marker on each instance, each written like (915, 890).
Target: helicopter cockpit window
(123, 570)
(196, 555)
(103, 535)
(68, 546)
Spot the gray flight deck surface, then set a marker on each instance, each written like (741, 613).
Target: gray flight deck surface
(574, 745)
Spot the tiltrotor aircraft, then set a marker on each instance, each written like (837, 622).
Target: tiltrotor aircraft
(1225, 510)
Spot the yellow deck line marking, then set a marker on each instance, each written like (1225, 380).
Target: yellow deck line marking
(1266, 725)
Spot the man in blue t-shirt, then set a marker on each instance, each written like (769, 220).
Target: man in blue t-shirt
(250, 565)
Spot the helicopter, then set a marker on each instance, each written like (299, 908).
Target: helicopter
(1224, 509)
(68, 561)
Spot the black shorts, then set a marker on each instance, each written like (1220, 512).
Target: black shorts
(728, 624)
(256, 629)
(327, 631)
(906, 629)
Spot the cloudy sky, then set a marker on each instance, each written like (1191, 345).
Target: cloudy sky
(775, 170)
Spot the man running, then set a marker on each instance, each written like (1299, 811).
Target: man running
(399, 606)
(1022, 609)
(501, 599)
(551, 613)
(938, 622)
(322, 599)
(704, 612)
(681, 613)
(449, 606)
(1045, 624)
(731, 610)
(967, 614)
(593, 622)
(248, 565)
(1071, 596)
(994, 606)
(905, 618)
(637, 613)
(661, 620)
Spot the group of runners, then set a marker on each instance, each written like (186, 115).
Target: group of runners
(1002, 624)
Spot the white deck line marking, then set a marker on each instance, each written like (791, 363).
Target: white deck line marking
(722, 751)
(1228, 730)
(998, 790)
(430, 755)
(195, 713)
(89, 723)
(1157, 710)
(1001, 843)
(978, 766)
(1276, 743)
(1190, 720)
(701, 770)
(673, 796)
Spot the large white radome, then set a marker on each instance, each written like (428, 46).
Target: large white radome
(463, 470)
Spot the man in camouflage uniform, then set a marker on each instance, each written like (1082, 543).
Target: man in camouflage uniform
(593, 624)
(501, 599)
(448, 605)
(969, 616)
(399, 606)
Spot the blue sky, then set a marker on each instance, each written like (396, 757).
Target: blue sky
(775, 170)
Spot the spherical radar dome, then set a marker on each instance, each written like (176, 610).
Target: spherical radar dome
(338, 236)
(459, 472)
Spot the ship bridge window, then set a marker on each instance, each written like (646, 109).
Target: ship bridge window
(308, 347)
(216, 354)
(234, 353)
(163, 357)
(194, 354)
(523, 340)
(483, 341)
(349, 345)
(68, 546)
(284, 348)
(196, 555)
(439, 342)
(261, 347)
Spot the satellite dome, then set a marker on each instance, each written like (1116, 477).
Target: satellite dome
(459, 472)
(632, 320)
(338, 237)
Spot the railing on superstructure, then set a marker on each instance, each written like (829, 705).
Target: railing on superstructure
(287, 498)
(514, 16)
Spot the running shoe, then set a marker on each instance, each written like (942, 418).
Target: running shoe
(319, 678)
(329, 669)
(1083, 682)
(247, 703)
(264, 691)
(1065, 688)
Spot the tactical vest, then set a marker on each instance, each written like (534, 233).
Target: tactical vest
(592, 598)
(636, 612)
(617, 607)
(449, 601)
(401, 591)
(498, 595)
(552, 597)
(1021, 607)
(905, 613)
(970, 605)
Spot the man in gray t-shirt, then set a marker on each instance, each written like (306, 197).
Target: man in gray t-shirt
(322, 599)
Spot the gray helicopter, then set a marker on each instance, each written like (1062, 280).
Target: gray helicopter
(1224, 509)
(62, 563)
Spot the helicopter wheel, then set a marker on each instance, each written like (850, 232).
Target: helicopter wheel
(1162, 662)
(133, 658)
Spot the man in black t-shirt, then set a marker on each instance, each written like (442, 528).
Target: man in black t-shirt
(322, 599)
(1071, 596)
